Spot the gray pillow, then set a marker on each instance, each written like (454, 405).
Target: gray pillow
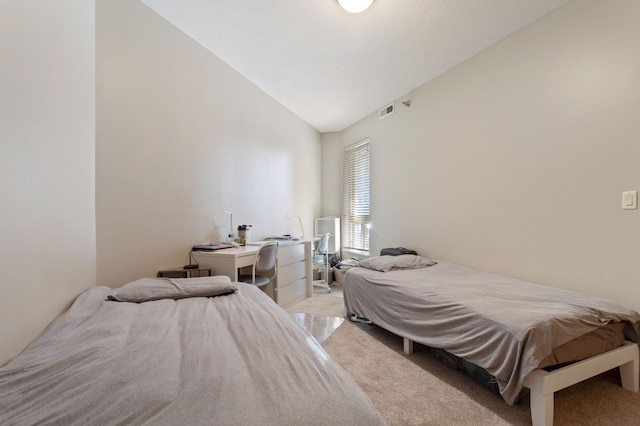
(391, 263)
(147, 289)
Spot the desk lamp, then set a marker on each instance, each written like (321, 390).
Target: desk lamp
(301, 227)
(231, 235)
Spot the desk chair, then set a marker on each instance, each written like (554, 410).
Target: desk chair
(265, 267)
(322, 256)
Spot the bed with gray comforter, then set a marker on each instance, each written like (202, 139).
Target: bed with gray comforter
(184, 359)
(504, 325)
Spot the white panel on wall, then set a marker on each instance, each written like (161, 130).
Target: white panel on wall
(47, 154)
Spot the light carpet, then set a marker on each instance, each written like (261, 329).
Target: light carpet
(419, 390)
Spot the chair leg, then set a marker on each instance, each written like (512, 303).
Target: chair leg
(324, 283)
(326, 272)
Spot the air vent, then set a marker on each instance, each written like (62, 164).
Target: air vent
(386, 111)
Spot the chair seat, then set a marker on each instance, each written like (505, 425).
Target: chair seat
(260, 280)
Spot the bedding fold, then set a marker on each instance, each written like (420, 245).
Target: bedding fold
(148, 289)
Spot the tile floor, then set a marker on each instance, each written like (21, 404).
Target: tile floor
(320, 327)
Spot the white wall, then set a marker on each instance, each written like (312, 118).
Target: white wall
(181, 137)
(47, 127)
(515, 161)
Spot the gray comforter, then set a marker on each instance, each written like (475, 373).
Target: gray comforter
(236, 359)
(504, 325)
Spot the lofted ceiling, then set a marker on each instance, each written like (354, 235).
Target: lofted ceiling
(333, 68)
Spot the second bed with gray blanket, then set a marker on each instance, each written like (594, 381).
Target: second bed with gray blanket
(504, 325)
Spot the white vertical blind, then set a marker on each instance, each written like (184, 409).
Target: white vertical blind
(356, 214)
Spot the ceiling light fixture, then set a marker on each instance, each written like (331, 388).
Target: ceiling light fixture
(355, 6)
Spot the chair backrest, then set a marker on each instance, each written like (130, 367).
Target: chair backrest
(266, 258)
(323, 244)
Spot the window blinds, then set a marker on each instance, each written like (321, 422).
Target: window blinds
(356, 215)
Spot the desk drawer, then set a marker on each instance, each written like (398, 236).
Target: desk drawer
(290, 273)
(289, 254)
(292, 292)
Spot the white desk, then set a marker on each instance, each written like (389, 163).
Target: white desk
(293, 282)
(227, 261)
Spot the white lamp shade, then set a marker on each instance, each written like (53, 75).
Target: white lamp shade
(355, 6)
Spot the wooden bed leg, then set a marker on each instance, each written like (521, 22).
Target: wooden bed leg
(408, 346)
(541, 409)
(540, 398)
(543, 384)
(629, 374)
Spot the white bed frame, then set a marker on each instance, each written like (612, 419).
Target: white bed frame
(542, 384)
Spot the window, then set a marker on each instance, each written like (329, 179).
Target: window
(356, 216)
